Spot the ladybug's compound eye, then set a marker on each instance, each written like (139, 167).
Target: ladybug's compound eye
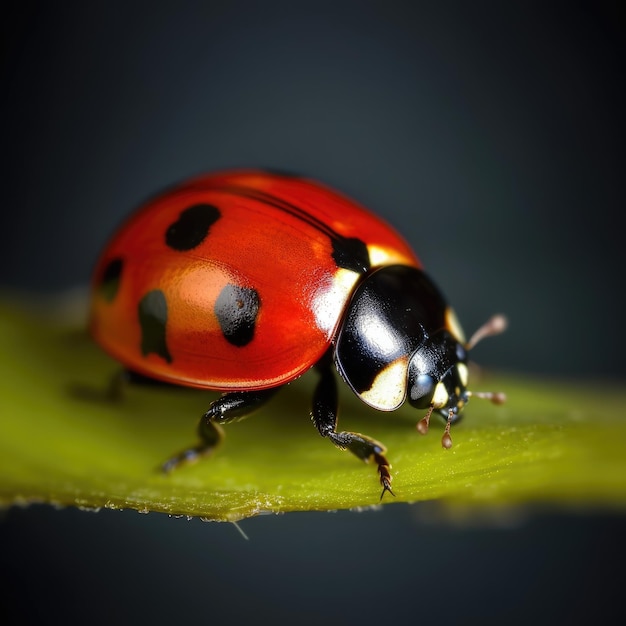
(421, 391)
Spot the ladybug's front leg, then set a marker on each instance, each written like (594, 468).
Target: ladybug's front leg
(231, 407)
(324, 415)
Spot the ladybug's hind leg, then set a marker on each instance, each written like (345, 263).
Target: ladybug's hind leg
(230, 407)
(124, 378)
(114, 391)
(324, 415)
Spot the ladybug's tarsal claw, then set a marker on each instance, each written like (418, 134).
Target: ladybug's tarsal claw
(384, 471)
(186, 457)
(170, 465)
(386, 488)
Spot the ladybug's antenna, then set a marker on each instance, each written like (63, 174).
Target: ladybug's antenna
(497, 397)
(493, 326)
(446, 440)
(422, 425)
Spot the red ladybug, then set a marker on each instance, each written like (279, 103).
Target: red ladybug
(242, 281)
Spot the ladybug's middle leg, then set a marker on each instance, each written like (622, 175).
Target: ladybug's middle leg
(230, 407)
(324, 415)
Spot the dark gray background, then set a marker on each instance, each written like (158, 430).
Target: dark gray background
(490, 134)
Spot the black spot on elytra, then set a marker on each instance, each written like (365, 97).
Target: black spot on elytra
(236, 309)
(109, 280)
(191, 227)
(351, 254)
(153, 322)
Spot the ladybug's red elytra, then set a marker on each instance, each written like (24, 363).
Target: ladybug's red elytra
(242, 281)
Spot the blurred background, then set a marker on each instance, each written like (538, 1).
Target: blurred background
(490, 133)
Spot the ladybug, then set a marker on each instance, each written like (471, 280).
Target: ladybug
(241, 281)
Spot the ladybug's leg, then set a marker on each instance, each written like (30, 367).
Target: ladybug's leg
(230, 407)
(324, 415)
(125, 377)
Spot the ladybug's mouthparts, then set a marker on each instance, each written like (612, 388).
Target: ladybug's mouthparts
(494, 326)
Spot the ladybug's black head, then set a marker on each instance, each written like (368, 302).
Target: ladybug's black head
(438, 376)
(399, 340)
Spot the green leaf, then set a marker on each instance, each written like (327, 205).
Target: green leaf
(62, 441)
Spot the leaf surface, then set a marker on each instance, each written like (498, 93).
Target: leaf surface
(62, 441)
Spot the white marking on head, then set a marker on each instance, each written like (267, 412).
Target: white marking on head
(440, 397)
